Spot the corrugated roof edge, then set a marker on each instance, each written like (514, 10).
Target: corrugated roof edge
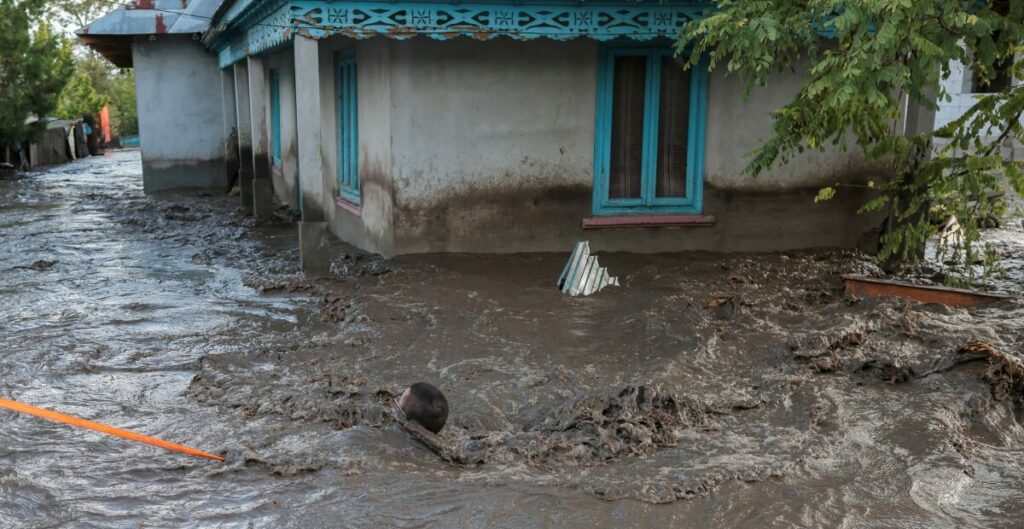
(154, 17)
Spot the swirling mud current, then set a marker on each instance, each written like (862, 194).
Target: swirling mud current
(706, 391)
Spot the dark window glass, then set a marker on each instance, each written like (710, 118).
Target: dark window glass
(627, 147)
(673, 129)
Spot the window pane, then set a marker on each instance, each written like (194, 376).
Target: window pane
(673, 130)
(627, 127)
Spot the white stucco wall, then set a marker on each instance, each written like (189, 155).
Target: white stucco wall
(181, 121)
(493, 150)
(285, 176)
(736, 127)
(489, 146)
(470, 115)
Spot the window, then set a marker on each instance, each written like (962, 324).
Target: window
(348, 127)
(650, 133)
(999, 82)
(275, 118)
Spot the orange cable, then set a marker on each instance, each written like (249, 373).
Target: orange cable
(82, 423)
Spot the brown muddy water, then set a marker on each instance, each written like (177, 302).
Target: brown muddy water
(707, 391)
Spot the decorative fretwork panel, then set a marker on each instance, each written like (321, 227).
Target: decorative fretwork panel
(259, 35)
(441, 21)
(323, 18)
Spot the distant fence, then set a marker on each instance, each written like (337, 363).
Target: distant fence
(52, 147)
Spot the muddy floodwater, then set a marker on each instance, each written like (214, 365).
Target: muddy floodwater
(739, 391)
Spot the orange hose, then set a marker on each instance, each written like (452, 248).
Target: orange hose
(82, 423)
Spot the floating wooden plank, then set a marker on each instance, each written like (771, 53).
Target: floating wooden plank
(953, 297)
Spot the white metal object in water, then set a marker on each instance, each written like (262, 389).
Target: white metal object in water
(582, 275)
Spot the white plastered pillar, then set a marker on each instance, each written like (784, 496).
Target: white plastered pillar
(263, 187)
(244, 128)
(315, 200)
(227, 85)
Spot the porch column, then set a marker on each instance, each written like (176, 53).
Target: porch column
(313, 227)
(262, 187)
(227, 85)
(244, 128)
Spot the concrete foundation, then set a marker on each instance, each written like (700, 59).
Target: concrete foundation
(263, 198)
(313, 255)
(164, 175)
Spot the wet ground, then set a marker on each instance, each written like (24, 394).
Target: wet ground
(706, 391)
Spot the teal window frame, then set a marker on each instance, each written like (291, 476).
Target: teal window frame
(275, 118)
(346, 82)
(648, 203)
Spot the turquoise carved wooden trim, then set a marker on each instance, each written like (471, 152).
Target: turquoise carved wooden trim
(264, 26)
(648, 203)
(555, 20)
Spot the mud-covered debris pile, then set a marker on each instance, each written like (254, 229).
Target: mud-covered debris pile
(1005, 372)
(636, 421)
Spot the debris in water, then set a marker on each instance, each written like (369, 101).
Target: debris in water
(951, 232)
(38, 266)
(1005, 372)
(954, 297)
(582, 276)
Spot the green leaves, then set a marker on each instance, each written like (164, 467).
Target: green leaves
(35, 65)
(869, 61)
(79, 98)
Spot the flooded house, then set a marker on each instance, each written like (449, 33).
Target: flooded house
(498, 126)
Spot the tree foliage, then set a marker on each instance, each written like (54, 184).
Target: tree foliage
(35, 65)
(74, 14)
(79, 98)
(124, 117)
(869, 62)
(116, 85)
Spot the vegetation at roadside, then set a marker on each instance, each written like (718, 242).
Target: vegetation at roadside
(868, 62)
(43, 74)
(79, 98)
(98, 83)
(35, 65)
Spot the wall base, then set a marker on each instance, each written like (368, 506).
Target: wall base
(178, 174)
(263, 198)
(313, 255)
(245, 194)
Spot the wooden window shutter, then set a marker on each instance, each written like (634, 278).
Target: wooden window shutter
(627, 138)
